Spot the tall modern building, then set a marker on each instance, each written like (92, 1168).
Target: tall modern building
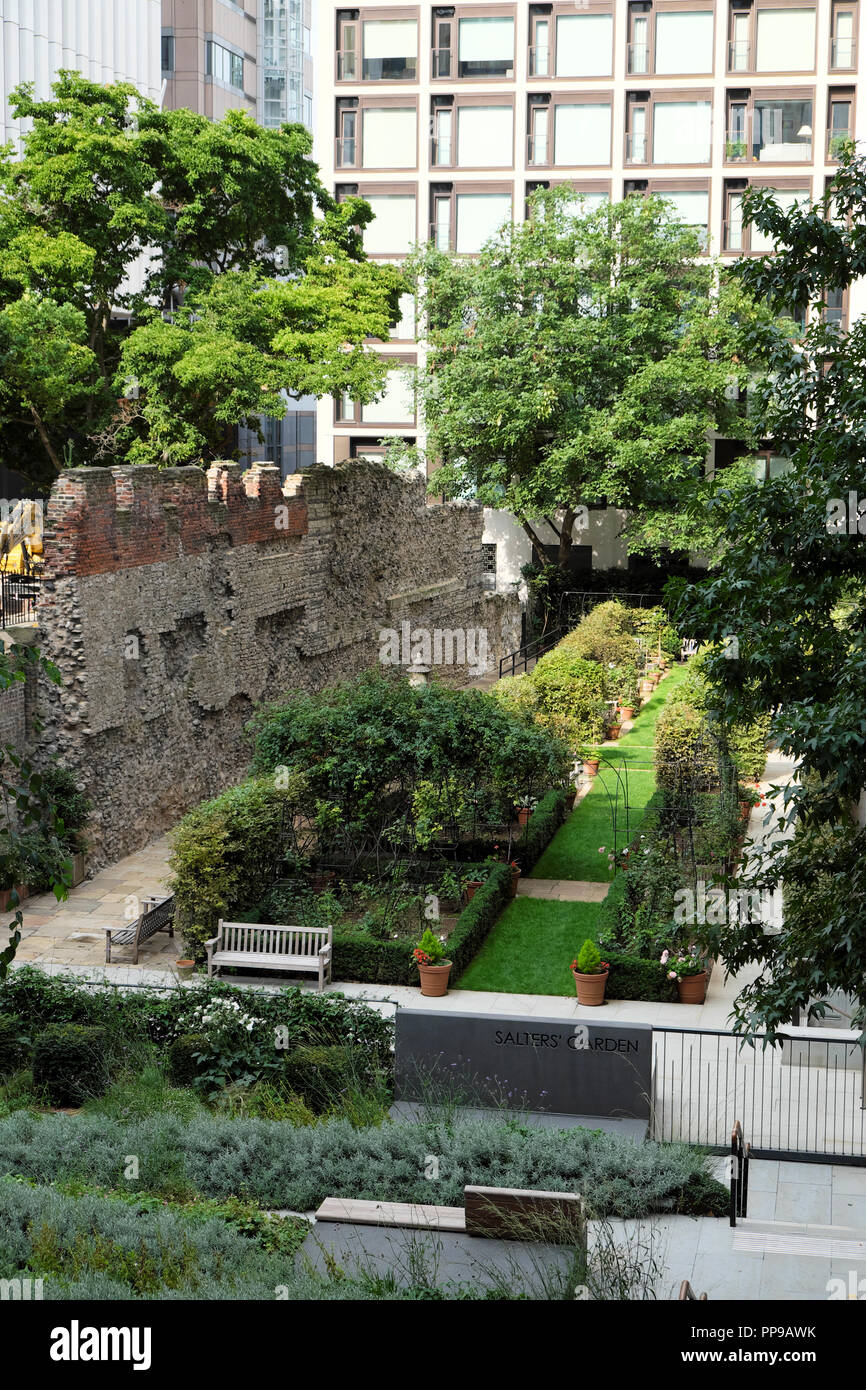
(105, 40)
(446, 118)
(220, 55)
(253, 55)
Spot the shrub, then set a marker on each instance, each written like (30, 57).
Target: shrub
(281, 1167)
(13, 1043)
(71, 805)
(319, 1075)
(184, 1057)
(633, 978)
(571, 696)
(544, 822)
(588, 958)
(686, 753)
(69, 1060)
(604, 635)
(478, 918)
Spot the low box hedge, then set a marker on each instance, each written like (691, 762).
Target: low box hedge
(69, 1060)
(632, 977)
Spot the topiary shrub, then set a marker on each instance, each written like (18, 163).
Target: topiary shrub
(571, 696)
(588, 958)
(69, 1061)
(183, 1064)
(633, 978)
(13, 1043)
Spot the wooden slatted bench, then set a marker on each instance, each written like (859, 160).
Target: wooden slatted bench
(257, 945)
(157, 914)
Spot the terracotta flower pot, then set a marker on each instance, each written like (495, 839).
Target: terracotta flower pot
(523, 814)
(515, 879)
(6, 893)
(591, 766)
(745, 810)
(646, 688)
(434, 979)
(184, 967)
(471, 888)
(614, 732)
(590, 988)
(692, 989)
(627, 711)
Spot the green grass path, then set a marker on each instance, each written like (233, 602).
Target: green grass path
(531, 948)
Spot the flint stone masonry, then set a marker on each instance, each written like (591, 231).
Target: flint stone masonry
(175, 601)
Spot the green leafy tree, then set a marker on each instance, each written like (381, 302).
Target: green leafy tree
(581, 358)
(188, 274)
(786, 609)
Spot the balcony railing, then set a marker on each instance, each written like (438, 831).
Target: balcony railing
(837, 142)
(347, 65)
(441, 62)
(539, 61)
(537, 147)
(346, 156)
(739, 56)
(638, 57)
(635, 149)
(440, 235)
(440, 150)
(843, 53)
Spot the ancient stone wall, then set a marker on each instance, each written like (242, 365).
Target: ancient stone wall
(175, 601)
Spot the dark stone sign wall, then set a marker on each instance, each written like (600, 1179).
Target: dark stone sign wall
(537, 1064)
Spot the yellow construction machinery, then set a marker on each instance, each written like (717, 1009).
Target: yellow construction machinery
(21, 539)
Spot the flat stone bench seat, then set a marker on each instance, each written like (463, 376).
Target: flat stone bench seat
(411, 1215)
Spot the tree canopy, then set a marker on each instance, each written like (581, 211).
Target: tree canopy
(164, 277)
(584, 358)
(792, 591)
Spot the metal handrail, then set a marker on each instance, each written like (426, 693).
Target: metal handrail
(526, 653)
(687, 1292)
(740, 1152)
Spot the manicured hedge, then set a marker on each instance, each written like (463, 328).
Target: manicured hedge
(633, 978)
(544, 822)
(69, 1060)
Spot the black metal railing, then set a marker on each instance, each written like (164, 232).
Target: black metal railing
(740, 1152)
(528, 653)
(803, 1100)
(19, 594)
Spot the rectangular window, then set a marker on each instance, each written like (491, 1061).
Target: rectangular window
(539, 135)
(684, 42)
(442, 48)
(636, 139)
(440, 231)
(782, 131)
(404, 328)
(691, 206)
(390, 137)
(786, 41)
(393, 230)
(347, 141)
(485, 137)
(582, 134)
(347, 52)
(396, 405)
(740, 236)
(486, 48)
(539, 53)
(479, 217)
(638, 49)
(584, 45)
(443, 136)
(390, 49)
(839, 127)
(167, 53)
(488, 557)
(223, 65)
(681, 132)
(740, 48)
(842, 44)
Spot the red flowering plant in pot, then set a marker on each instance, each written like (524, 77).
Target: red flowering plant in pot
(433, 968)
(690, 973)
(590, 974)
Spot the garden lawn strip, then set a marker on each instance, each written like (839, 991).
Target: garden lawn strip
(531, 948)
(574, 851)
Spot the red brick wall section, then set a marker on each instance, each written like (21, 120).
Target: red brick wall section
(106, 519)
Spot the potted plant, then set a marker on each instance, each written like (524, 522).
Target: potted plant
(690, 974)
(515, 877)
(524, 811)
(591, 763)
(614, 731)
(735, 149)
(590, 974)
(470, 887)
(184, 967)
(749, 797)
(433, 968)
(570, 796)
(626, 712)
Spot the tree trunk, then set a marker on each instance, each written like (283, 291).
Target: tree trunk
(536, 543)
(46, 442)
(564, 551)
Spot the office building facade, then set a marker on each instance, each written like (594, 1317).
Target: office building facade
(446, 118)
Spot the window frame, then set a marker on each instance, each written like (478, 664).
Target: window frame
(754, 95)
(754, 10)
